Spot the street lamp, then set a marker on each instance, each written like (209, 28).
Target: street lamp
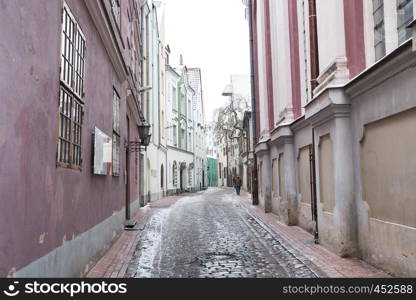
(228, 91)
(144, 129)
(136, 146)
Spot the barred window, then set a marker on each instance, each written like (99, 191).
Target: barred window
(115, 8)
(379, 31)
(174, 99)
(190, 177)
(71, 108)
(189, 141)
(175, 173)
(404, 17)
(175, 136)
(116, 133)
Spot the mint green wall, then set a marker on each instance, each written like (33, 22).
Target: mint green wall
(212, 172)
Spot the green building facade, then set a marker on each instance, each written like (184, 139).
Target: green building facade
(212, 172)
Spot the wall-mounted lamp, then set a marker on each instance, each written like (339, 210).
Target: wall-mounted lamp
(144, 129)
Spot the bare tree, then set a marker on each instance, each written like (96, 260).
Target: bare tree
(228, 122)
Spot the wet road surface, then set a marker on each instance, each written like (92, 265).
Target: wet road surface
(211, 235)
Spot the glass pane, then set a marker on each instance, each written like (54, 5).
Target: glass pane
(377, 4)
(380, 51)
(116, 155)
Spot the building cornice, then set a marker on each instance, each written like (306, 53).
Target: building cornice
(134, 106)
(180, 150)
(329, 113)
(396, 62)
(328, 100)
(111, 41)
(262, 148)
(336, 73)
(299, 124)
(281, 135)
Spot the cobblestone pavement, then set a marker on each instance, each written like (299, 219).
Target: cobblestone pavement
(211, 235)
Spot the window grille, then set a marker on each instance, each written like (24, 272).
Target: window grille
(71, 109)
(175, 174)
(116, 134)
(190, 177)
(404, 17)
(175, 137)
(115, 8)
(379, 30)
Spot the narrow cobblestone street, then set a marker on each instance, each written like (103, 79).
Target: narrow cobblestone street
(216, 234)
(211, 235)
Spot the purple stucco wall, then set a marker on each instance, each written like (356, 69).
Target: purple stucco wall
(41, 206)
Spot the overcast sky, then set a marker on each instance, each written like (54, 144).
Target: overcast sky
(211, 35)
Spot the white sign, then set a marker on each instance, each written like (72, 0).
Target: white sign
(102, 153)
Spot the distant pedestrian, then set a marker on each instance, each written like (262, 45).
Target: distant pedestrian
(237, 184)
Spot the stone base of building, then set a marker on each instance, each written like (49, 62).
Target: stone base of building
(76, 257)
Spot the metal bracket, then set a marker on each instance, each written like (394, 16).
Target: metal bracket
(135, 147)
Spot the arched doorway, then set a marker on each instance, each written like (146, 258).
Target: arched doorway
(182, 177)
(175, 174)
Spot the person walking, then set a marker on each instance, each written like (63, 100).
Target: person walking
(237, 184)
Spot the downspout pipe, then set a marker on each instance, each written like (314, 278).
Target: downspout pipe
(255, 194)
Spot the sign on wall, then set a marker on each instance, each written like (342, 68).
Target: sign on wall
(103, 149)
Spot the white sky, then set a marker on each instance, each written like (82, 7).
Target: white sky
(211, 35)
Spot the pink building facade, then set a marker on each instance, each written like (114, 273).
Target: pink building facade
(67, 67)
(334, 110)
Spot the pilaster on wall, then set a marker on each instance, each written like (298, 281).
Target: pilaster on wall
(330, 31)
(262, 74)
(263, 154)
(294, 59)
(336, 74)
(269, 64)
(331, 110)
(283, 138)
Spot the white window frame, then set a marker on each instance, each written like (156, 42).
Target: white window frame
(72, 83)
(116, 134)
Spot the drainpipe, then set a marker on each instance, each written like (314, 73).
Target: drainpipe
(194, 183)
(314, 198)
(158, 94)
(254, 185)
(314, 54)
(314, 62)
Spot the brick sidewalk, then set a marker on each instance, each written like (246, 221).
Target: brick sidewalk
(328, 262)
(115, 262)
